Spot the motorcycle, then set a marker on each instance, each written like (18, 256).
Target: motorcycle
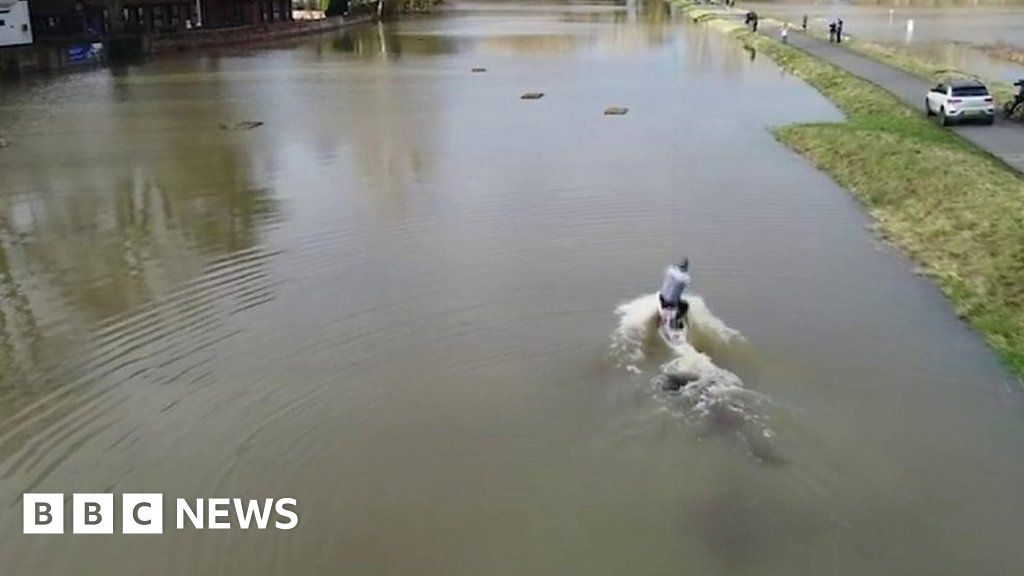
(1011, 107)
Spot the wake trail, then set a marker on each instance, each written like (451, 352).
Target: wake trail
(712, 399)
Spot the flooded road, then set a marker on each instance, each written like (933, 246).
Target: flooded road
(395, 301)
(946, 33)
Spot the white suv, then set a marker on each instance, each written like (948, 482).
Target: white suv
(960, 100)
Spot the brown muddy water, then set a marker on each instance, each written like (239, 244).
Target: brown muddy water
(395, 301)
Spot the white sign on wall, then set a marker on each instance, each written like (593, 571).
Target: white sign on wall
(15, 25)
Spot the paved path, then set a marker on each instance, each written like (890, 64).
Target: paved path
(1004, 139)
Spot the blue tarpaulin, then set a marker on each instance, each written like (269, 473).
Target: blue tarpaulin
(84, 52)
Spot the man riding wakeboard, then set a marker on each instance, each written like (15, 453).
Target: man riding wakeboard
(673, 305)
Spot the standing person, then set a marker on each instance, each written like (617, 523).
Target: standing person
(839, 31)
(754, 25)
(804, 23)
(1009, 108)
(675, 282)
(785, 32)
(832, 31)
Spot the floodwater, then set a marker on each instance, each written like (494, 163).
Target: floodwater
(395, 301)
(950, 34)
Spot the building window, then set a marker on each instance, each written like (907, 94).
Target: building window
(158, 17)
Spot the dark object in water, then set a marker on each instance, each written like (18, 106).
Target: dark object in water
(615, 111)
(479, 70)
(532, 96)
(676, 381)
(245, 125)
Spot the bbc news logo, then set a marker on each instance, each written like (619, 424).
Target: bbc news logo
(144, 513)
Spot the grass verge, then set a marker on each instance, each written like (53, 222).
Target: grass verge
(954, 209)
(916, 65)
(1002, 91)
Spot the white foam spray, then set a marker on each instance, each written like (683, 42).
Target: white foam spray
(701, 392)
(638, 323)
(638, 326)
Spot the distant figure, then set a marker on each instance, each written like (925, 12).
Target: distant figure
(1009, 108)
(753, 25)
(804, 23)
(785, 32)
(839, 31)
(831, 31)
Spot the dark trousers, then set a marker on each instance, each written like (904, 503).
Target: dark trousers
(680, 308)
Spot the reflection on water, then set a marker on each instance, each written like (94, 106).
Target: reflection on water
(392, 301)
(562, 30)
(85, 238)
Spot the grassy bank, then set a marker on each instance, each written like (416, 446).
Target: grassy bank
(1003, 51)
(951, 207)
(916, 65)
(1002, 91)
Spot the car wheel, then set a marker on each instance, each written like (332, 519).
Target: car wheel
(942, 116)
(928, 108)
(990, 120)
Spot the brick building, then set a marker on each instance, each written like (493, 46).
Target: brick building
(226, 13)
(91, 19)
